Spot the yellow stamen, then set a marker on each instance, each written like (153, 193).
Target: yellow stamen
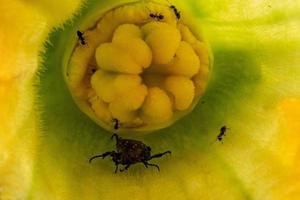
(143, 71)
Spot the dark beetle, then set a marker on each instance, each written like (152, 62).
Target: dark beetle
(130, 152)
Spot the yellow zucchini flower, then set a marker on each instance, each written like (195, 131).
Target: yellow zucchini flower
(173, 73)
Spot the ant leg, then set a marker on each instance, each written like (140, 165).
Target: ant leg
(159, 155)
(220, 140)
(99, 156)
(216, 140)
(154, 165)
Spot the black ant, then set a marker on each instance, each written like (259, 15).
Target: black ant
(93, 70)
(176, 12)
(116, 124)
(156, 16)
(81, 38)
(223, 130)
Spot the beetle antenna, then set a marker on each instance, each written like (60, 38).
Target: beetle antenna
(99, 156)
(92, 158)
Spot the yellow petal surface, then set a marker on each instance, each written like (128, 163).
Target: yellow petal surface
(24, 27)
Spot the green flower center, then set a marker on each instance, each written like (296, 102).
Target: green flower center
(139, 64)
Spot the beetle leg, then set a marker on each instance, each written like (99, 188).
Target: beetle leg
(125, 168)
(145, 163)
(159, 155)
(116, 136)
(117, 166)
(99, 156)
(154, 165)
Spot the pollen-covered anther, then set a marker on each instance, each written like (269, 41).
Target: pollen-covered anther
(157, 106)
(144, 72)
(163, 40)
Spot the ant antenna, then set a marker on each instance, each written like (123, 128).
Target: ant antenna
(215, 140)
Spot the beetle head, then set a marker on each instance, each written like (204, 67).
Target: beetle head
(116, 157)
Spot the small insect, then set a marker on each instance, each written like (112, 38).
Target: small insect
(116, 124)
(176, 12)
(81, 38)
(156, 16)
(93, 70)
(129, 152)
(223, 130)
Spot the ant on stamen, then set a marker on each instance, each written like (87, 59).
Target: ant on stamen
(81, 38)
(156, 16)
(93, 70)
(116, 123)
(176, 12)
